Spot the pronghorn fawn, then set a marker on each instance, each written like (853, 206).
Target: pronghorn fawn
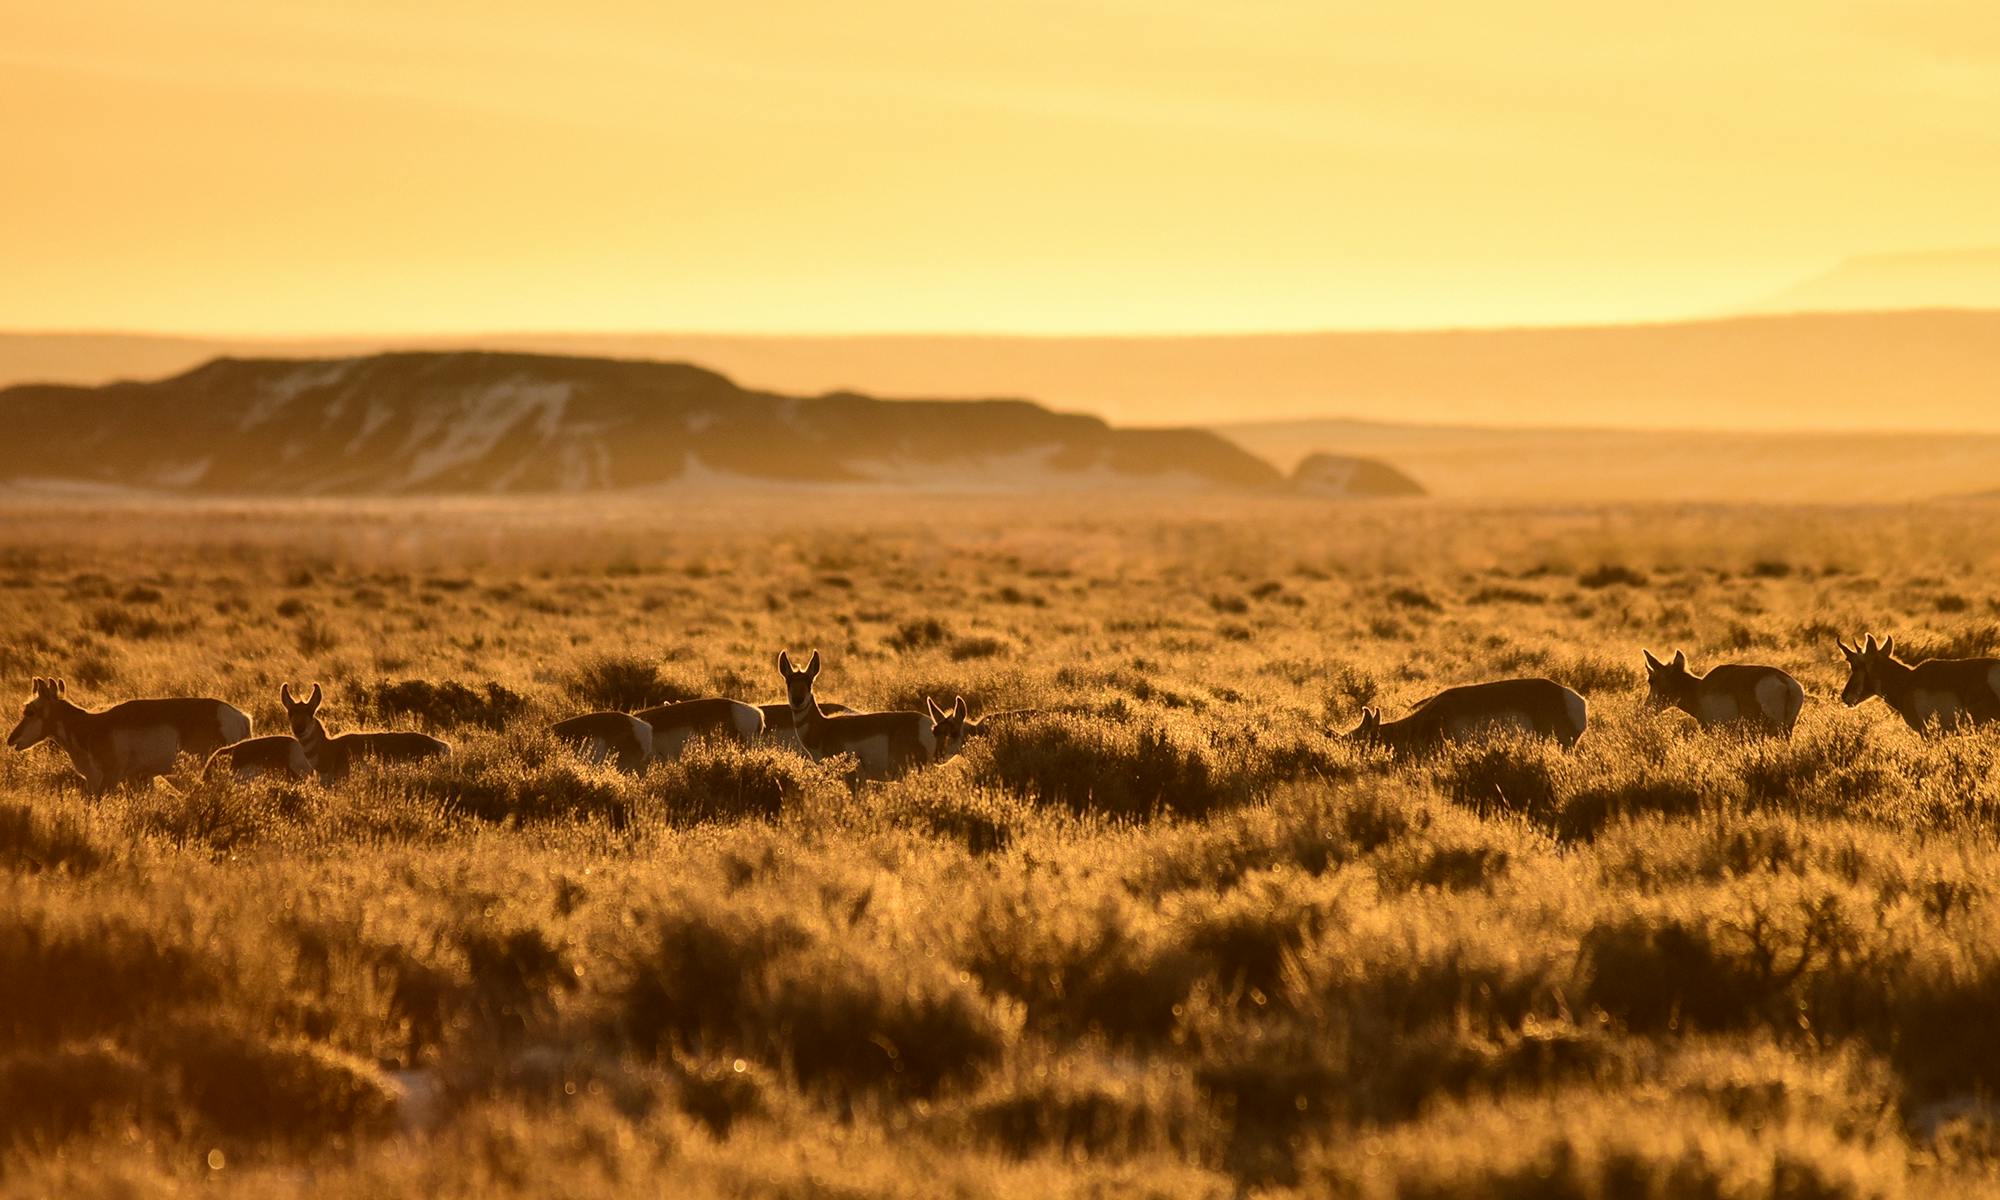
(1537, 706)
(675, 725)
(279, 753)
(1948, 691)
(952, 728)
(333, 757)
(884, 744)
(1738, 695)
(604, 735)
(136, 741)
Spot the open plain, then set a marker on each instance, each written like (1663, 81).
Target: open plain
(1166, 938)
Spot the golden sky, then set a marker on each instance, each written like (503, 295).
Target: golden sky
(397, 166)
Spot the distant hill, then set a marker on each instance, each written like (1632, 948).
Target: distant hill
(492, 422)
(1699, 466)
(1884, 282)
(1908, 370)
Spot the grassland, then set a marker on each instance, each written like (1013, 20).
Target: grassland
(1169, 939)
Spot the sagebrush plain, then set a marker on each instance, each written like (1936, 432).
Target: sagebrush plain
(1168, 938)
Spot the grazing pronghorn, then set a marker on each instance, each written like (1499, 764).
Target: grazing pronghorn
(1949, 691)
(131, 742)
(953, 728)
(677, 724)
(333, 757)
(251, 757)
(1540, 706)
(604, 735)
(1762, 698)
(883, 743)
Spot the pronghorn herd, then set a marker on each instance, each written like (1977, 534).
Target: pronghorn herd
(140, 740)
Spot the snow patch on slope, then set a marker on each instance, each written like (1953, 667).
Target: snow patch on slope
(276, 394)
(468, 430)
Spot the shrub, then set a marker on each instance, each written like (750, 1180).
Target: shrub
(918, 635)
(1089, 766)
(33, 839)
(624, 682)
(243, 1086)
(721, 779)
(447, 703)
(1611, 575)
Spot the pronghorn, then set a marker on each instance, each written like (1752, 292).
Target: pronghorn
(1949, 691)
(952, 728)
(883, 743)
(134, 741)
(1540, 706)
(606, 734)
(333, 757)
(675, 725)
(1733, 694)
(256, 756)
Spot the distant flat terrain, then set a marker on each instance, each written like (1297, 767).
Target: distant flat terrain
(1622, 464)
(1918, 370)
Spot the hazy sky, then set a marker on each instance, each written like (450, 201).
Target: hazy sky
(258, 166)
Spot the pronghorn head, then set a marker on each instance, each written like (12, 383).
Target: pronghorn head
(1865, 662)
(798, 684)
(1369, 732)
(949, 729)
(1665, 681)
(304, 713)
(38, 715)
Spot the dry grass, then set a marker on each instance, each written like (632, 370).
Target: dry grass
(1167, 938)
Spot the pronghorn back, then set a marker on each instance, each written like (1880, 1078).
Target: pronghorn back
(274, 753)
(677, 724)
(1536, 706)
(606, 735)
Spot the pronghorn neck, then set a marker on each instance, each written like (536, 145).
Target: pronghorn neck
(1894, 681)
(312, 736)
(62, 722)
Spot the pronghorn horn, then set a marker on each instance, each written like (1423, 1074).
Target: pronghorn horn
(1680, 658)
(1870, 644)
(1888, 645)
(61, 686)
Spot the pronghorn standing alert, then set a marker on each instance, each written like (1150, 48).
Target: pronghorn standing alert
(131, 742)
(883, 743)
(952, 728)
(604, 735)
(251, 757)
(675, 725)
(1762, 698)
(1539, 706)
(333, 757)
(1950, 691)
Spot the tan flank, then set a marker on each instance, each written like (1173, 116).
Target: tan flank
(1734, 695)
(333, 757)
(136, 741)
(885, 744)
(609, 735)
(274, 753)
(1940, 693)
(1536, 706)
(778, 717)
(675, 725)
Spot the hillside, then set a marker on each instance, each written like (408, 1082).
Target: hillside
(489, 422)
(1905, 370)
(1883, 282)
(1583, 464)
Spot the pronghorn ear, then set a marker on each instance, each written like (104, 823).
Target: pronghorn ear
(1652, 664)
(1680, 659)
(285, 694)
(1846, 649)
(785, 661)
(1869, 646)
(1889, 645)
(314, 698)
(937, 714)
(812, 666)
(958, 708)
